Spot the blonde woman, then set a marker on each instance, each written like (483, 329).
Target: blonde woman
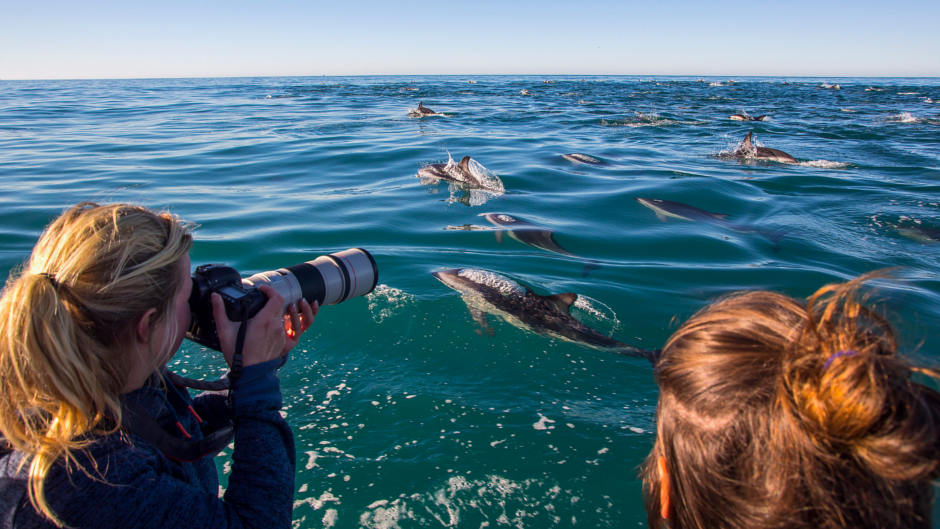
(779, 413)
(95, 432)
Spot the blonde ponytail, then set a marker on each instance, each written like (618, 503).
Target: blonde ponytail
(65, 320)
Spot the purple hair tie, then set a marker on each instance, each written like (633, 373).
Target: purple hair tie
(838, 354)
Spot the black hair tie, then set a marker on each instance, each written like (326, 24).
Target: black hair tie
(51, 278)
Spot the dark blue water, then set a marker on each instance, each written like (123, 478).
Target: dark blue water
(404, 415)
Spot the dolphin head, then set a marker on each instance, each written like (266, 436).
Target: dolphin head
(501, 219)
(451, 278)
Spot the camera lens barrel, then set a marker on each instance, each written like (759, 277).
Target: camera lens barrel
(328, 279)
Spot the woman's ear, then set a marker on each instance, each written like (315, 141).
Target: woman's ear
(665, 494)
(144, 328)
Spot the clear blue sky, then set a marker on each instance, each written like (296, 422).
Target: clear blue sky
(171, 38)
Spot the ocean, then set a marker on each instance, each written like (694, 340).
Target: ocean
(406, 413)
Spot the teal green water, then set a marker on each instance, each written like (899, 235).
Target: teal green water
(405, 416)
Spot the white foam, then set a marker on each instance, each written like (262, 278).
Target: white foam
(824, 164)
(312, 456)
(904, 117)
(329, 518)
(543, 423)
(386, 301)
(484, 277)
(317, 503)
(597, 310)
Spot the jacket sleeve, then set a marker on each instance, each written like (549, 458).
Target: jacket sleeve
(132, 485)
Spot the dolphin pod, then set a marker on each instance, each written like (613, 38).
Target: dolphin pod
(486, 292)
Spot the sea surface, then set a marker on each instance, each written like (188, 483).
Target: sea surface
(406, 413)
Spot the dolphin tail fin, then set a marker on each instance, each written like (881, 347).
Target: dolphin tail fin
(562, 301)
(499, 236)
(588, 267)
(629, 350)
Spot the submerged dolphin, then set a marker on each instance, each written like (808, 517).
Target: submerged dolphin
(486, 292)
(577, 157)
(525, 232)
(677, 210)
(746, 117)
(748, 150)
(924, 234)
(422, 111)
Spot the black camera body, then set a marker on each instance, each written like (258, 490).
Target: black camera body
(241, 303)
(328, 280)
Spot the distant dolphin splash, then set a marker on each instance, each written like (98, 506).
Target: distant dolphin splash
(577, 157)
(486, 292)
(745, 117)
(422, 111)
(749, 151)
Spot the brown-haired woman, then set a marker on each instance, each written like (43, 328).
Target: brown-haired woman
(95, 432)
(779, 413)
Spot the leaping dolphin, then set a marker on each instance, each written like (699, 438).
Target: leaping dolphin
(486, 292)
(748, 150)
(459, 173)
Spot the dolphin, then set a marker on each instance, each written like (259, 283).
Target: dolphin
(748, 150)
(486, 292)
(459, 173)
(421, 111)
(745, 117)
(677, 210)
(577, 157)
(525, 232)
(924, 234)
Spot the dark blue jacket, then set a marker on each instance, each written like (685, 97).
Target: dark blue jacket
(130, 483)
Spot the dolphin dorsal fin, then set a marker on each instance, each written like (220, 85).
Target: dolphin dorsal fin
(746, 144)
(562, 301)
(465, 163)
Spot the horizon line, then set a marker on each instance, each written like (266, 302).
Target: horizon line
(813, 76)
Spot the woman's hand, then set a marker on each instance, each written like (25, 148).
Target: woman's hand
(295, 323)
(270, 333)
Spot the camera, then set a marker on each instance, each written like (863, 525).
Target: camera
(328, 279)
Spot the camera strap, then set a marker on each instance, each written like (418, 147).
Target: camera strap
(215, 437)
